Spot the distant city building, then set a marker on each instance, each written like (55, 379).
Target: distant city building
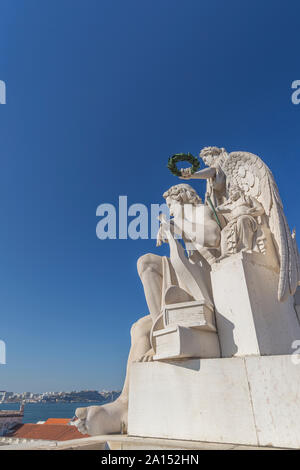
(85, 396)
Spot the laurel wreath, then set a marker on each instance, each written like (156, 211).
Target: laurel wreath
(182, 157)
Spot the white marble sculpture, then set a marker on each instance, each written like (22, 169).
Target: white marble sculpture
(170, 280)
(253, 178)
(242, 216)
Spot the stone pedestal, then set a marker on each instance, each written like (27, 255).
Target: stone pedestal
(182, 342)
(249, 401)
(249, 318)
(189, 331)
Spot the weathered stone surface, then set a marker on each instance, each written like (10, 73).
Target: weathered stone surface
(250, 319)
(200, 400)
(245, 401)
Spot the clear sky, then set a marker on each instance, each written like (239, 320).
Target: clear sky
(99, 94)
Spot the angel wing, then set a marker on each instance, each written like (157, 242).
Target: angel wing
(251, 174)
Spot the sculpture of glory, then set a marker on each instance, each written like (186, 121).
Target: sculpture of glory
(242, 212)
(249, 174)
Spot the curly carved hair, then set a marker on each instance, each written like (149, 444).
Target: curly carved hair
(215, 151)
(183, 193)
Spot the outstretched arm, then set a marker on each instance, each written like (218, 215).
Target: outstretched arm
(204, 174)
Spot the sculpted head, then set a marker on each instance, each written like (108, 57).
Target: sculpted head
(179, 195)
(209, 154)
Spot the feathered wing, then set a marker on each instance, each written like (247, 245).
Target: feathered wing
(251, 174)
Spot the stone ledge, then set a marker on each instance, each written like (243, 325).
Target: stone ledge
(124, 442)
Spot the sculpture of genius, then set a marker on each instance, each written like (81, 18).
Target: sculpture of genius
(242, 212)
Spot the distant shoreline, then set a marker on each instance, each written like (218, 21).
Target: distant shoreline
(39, 412)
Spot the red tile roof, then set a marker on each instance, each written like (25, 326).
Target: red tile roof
(51, 432)
(57, 421)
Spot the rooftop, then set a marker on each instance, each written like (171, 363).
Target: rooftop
(57, 421)
(49, 432)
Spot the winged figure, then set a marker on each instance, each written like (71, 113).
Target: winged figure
(251, 175)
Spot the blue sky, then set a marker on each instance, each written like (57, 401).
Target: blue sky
(99, 94)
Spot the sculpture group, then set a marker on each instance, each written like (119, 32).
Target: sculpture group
(242, 214)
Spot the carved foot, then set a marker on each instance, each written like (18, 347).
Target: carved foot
(106, 419)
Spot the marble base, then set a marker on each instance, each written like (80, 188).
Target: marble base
(180, 342)
(248, 401)
(249, 318)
